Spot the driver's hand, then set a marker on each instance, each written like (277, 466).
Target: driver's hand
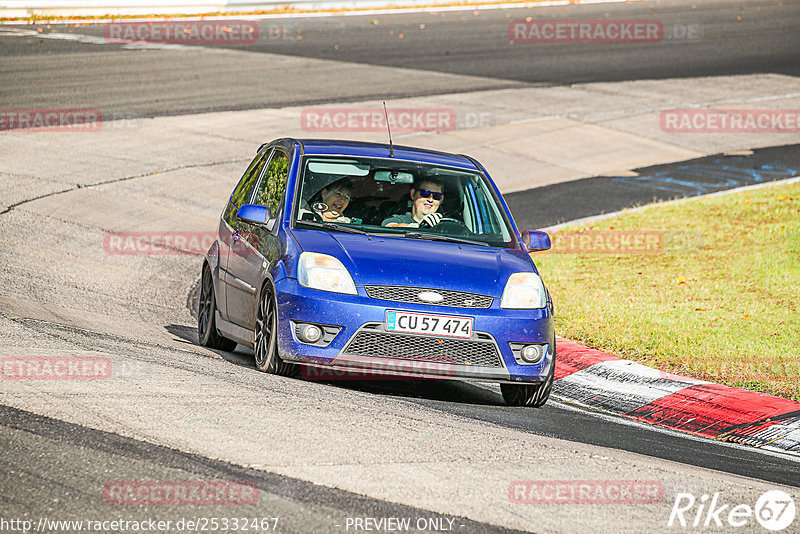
(431, 220)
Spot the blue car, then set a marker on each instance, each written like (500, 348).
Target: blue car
(399, 261)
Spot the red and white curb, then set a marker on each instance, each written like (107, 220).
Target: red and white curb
(605, 382)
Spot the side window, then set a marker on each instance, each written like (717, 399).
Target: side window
(273, 186)
(241, 195)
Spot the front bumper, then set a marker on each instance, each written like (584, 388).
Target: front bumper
(361, 341)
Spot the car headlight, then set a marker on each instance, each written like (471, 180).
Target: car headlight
(524, 291)
(320, 271)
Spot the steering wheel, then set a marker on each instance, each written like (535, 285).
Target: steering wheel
(453, 227)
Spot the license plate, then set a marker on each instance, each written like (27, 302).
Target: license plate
(433, 325)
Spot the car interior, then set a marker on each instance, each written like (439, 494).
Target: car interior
(381, 189)
(374, 201)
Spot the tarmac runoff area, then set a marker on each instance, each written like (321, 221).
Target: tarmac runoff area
(61, 193)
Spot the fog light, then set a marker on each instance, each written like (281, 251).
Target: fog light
(310, 333)
(533, 353)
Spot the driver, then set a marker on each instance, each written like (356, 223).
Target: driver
(427, 195)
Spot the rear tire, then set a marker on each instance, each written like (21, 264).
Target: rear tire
(266, 338)
(206, 317)
(531, 395)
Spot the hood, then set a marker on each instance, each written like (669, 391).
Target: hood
(418, 263)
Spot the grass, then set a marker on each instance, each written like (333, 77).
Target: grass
(718, 300)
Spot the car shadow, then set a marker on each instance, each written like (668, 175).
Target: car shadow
(185, 334)
(428, 389)
(241, 355)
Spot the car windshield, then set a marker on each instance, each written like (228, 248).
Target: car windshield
(400, 198)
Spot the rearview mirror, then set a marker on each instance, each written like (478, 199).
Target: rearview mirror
(394, 177)
(535, 240)
(254, 214)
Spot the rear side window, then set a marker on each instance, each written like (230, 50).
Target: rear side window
(241, 195)
(273, 185)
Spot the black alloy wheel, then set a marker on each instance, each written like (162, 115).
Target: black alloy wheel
(206, 324)
(531, 395)
(266, 338)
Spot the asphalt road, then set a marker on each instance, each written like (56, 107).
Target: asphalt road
(444, 52)
(59, 470)
(559, 421)
(554, 204)
(341, 59)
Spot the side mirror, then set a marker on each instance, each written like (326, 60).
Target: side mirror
(535, 240)
(259, 215)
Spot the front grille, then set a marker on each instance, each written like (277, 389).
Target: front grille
(453, 299)
(372, 342)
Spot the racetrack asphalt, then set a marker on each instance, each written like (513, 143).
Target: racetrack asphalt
(597, 195)
(451, 447)
(91, 458)
(438, 53)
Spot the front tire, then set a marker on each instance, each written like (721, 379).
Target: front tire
(531, 395)
(206, 322)
(266, 338)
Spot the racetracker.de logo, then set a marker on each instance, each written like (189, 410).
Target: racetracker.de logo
(374, 120)
(166, 243)
(730, 121)
(585, 492)
(180, 493)
(586, 31)
(201, 32)
(608, 242)
(389, 370)
(55, 368)
(51, 119)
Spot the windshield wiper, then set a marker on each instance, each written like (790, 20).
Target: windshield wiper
(449, 239)
(334, 226)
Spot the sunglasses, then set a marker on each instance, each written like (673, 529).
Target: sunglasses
(425, 193)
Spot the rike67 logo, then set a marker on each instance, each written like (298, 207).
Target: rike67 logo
(774, 510)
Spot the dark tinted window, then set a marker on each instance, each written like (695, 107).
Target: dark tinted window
(373, 195)
(241, 195)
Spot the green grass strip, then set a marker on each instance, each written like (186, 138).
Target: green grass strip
(708, 288)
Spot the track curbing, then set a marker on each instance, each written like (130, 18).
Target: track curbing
(606, 382)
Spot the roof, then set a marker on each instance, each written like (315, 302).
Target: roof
(328, 147)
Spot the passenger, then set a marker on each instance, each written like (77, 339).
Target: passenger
(330, 203)
(427, 195)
